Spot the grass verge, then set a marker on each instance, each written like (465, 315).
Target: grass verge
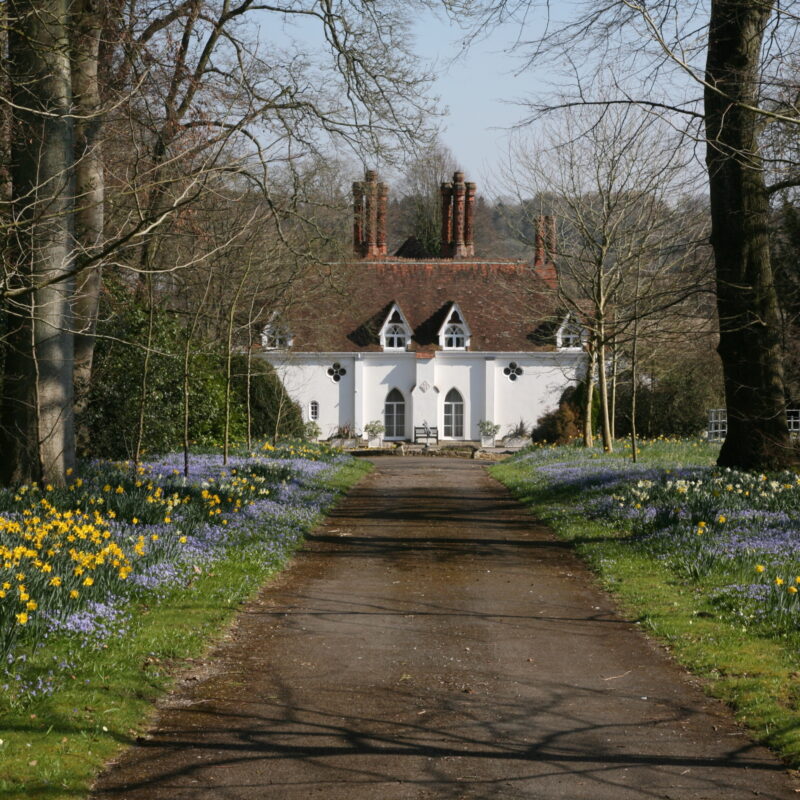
(754, 671)
(52, 748)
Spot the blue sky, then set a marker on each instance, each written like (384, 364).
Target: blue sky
(478, 88)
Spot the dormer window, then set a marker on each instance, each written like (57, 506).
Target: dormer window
(569, 335)
(395, 333)
(455, 333)
(455, 338)
(275, 337)
(395, 338)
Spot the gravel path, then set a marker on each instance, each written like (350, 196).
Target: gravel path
(433, 641)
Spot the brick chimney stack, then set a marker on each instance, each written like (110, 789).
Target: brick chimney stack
(459, 190)
(469, 219)
(380, 216)
(458, 209)
(369, 216)
(447, 219)
(550, 240)
(544, 250)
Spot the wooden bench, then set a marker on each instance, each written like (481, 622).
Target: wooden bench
(426, 433)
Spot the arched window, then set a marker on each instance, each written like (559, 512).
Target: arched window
(454, 337)
(395, 337)
(394, 415)
(454, 415)
(313, 410)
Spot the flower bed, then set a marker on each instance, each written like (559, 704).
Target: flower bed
(735, 533)
(76, 561)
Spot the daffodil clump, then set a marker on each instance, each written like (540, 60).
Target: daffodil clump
(52, 561)
(73, 558)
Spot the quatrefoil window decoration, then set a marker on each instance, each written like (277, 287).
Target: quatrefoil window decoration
(335, 371)
(513, 371)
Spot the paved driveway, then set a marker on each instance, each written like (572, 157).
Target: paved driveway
(433, 641)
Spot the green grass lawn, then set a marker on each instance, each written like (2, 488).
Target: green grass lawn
(53, 745)
(725, 611)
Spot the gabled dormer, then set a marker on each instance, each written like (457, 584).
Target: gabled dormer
(275, 335)
(395, 333)
(454, 333)
(570, 334)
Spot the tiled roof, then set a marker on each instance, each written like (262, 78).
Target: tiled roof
(506, 305)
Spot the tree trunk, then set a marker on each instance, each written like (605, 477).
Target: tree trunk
(89, 185)
(249, 375)
(634, 388)
(37, 437)
(5, 123)
(187, 352)
(749, 344)
(588, 435)
(229, 363)
(602, 380)
(143, 384)
(614, 377)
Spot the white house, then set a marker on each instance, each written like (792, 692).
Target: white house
(434, 342)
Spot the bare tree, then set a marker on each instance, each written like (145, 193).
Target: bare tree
(722, 72)
(154, 107)
(610, 178)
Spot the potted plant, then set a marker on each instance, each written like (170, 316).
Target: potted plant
(488, 431)
(374, 431)
(311, 431)
(344, 436)
(518, 435)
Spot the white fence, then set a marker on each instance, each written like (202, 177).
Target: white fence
(718, 423)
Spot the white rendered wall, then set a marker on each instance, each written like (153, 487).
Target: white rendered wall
(307, 380)
(487, 392)
(535, 392)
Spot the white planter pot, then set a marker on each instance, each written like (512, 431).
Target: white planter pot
(374, 441)
(487, 441)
